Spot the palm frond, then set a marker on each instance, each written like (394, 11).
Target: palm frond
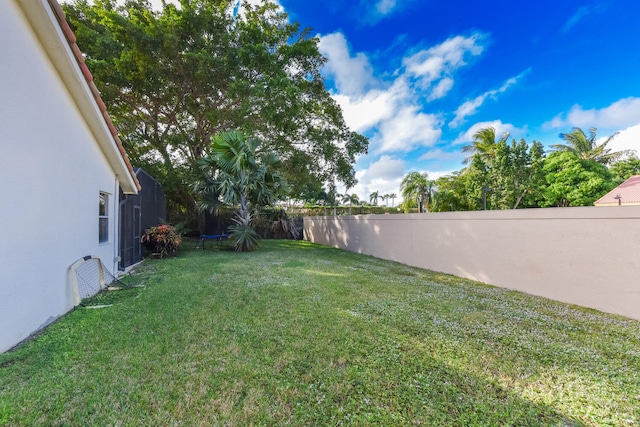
(586, 146)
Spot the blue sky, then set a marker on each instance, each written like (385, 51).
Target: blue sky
(420, 77)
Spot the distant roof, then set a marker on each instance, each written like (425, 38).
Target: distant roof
(627, 193)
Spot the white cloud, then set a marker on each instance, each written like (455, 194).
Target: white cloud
(626, 139)
(389, 111)
(442, 156)
(407, 130)
(443, 58)
(500, 128)
(441, 89)
(384, 7)
(582, 13)
(364, 112)
(386, 168)
(470, 107)
(368, 182)
(387, 108)
(373, 11)
(352, 74)
(621, 114)
(467, 109)
(430, 67)
(383, 176)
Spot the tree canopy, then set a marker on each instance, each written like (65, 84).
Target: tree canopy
(511, 170)
(520, 175)
(172, 79)
(624, 169)
(573, 181)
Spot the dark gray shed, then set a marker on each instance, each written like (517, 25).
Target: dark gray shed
(138, 212)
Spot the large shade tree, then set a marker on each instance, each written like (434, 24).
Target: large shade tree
(507, 174)
(452, 194)
(574, 181)
(624, 169)
(516, 174)
(174, 78)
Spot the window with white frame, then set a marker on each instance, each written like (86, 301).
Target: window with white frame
(103, 218)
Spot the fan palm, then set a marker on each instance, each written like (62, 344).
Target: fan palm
(237, 174)
(586, 147)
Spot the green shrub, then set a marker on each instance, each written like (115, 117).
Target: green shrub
(163, 239)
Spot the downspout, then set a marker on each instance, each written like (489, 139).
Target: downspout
(116, 226)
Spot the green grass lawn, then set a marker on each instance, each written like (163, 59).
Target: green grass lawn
(299, 334)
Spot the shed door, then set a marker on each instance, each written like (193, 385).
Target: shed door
(137, 232)
(125, 236)
(130, 249)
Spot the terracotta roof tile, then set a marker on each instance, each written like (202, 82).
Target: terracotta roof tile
(96, 95)
(71, 39)
(77, 52)
(624, 194)
(85, 71)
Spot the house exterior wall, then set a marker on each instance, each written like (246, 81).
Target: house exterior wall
(51, 173)
(585, 256)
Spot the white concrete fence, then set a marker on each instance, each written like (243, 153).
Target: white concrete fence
(587, 256)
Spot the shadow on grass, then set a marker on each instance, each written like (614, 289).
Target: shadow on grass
(269, 340)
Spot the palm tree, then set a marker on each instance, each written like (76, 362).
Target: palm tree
(351, 198)
(373, 197)
(417, 188)
(484, 144)
(383, 197)
(332, 195)
(586, 147)
(323, 197)
(237, 175)
(392, 196)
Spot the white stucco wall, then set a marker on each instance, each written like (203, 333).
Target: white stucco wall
(51, 173)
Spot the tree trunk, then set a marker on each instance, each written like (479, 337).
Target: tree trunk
(519, 199)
